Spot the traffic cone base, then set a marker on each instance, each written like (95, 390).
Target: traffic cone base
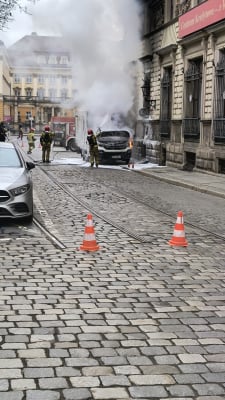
(89, 242)
(178, 238)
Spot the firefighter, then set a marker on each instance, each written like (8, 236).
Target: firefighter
(31, 139)
(93, 147)
(46, 141)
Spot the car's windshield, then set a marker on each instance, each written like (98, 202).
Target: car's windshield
(9, 158)
(122, 134)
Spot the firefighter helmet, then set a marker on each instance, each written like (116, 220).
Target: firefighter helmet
(90, 132)
(47, 128)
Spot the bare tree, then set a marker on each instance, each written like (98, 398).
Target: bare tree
(6, 10)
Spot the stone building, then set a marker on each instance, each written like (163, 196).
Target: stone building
(181, 121)
(36, 81)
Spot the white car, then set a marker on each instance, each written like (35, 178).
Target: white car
(16, 187)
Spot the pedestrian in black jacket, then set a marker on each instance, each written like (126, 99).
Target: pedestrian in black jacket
(3, 135)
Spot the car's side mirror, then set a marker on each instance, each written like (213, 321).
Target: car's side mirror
(30, 165)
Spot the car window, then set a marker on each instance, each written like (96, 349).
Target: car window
(9, 158)
(122, 134)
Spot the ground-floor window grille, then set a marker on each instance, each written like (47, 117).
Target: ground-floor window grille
(193, 98)
(219, 101)
(166, 105)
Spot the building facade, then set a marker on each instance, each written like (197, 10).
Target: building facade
(36, 81)
(181, 119)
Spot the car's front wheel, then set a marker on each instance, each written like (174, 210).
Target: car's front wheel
(72, 146)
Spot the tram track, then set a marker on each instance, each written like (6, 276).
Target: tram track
(79, 199)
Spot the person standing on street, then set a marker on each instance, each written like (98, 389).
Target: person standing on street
(46, 141)
(20, 132)
(93, 147)
(31, 140)
(3, 135)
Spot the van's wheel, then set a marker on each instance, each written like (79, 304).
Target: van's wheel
(72, 146)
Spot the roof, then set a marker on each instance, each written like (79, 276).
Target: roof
(25, 50)
(40, 44)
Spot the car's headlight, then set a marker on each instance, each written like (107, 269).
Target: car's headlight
(20, 190)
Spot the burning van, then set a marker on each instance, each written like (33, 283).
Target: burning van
(114, 145)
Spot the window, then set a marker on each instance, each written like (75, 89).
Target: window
(52, 93)
(40, 93)
(17, 78)
(146, 92)
(166, 104)
(169, 10)
(193, 99)
(29, 79)
(9, 158)
(28, 92)
(64, 60)
(28, 115)
(52, 59)
(219, 100)
(41, 59)
(52, 79)
(17, 92)
(41, 79)
(63, 93)
(157, 15)
(64, 79)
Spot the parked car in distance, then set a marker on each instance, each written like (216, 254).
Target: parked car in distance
(16, 187)
(114, 145)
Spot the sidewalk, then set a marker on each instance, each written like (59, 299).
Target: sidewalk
(210, 183)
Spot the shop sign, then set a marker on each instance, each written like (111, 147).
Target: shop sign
(201, 16)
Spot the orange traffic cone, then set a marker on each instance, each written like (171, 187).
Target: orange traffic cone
(178, 238)
(89, 242)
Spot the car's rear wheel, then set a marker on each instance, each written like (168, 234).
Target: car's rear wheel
(72, 146)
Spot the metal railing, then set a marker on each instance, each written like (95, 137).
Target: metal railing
(15, 100)
(191, 128)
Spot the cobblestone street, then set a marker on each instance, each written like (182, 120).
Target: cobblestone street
(130, 321)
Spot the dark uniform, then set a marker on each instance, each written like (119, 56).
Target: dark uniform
(46, 141)
(93, 146)
(20, 132)
(3, 135)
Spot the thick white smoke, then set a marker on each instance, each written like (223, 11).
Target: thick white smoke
(104, 39)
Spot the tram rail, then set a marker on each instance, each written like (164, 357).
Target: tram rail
(197, 229)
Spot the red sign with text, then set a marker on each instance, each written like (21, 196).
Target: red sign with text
(199, 17)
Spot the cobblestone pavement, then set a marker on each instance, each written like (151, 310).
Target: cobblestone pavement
(130, 321)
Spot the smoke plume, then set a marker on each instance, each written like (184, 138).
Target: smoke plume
(104, 39)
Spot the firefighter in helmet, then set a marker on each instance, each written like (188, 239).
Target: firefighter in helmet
(31, 140)
(46, 141)
(93, 147)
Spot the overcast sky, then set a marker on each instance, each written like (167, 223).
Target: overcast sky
(24, 24)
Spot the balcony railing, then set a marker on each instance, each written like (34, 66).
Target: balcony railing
(191, 128)
(16, 100)
(165, 128)
(219, 130)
